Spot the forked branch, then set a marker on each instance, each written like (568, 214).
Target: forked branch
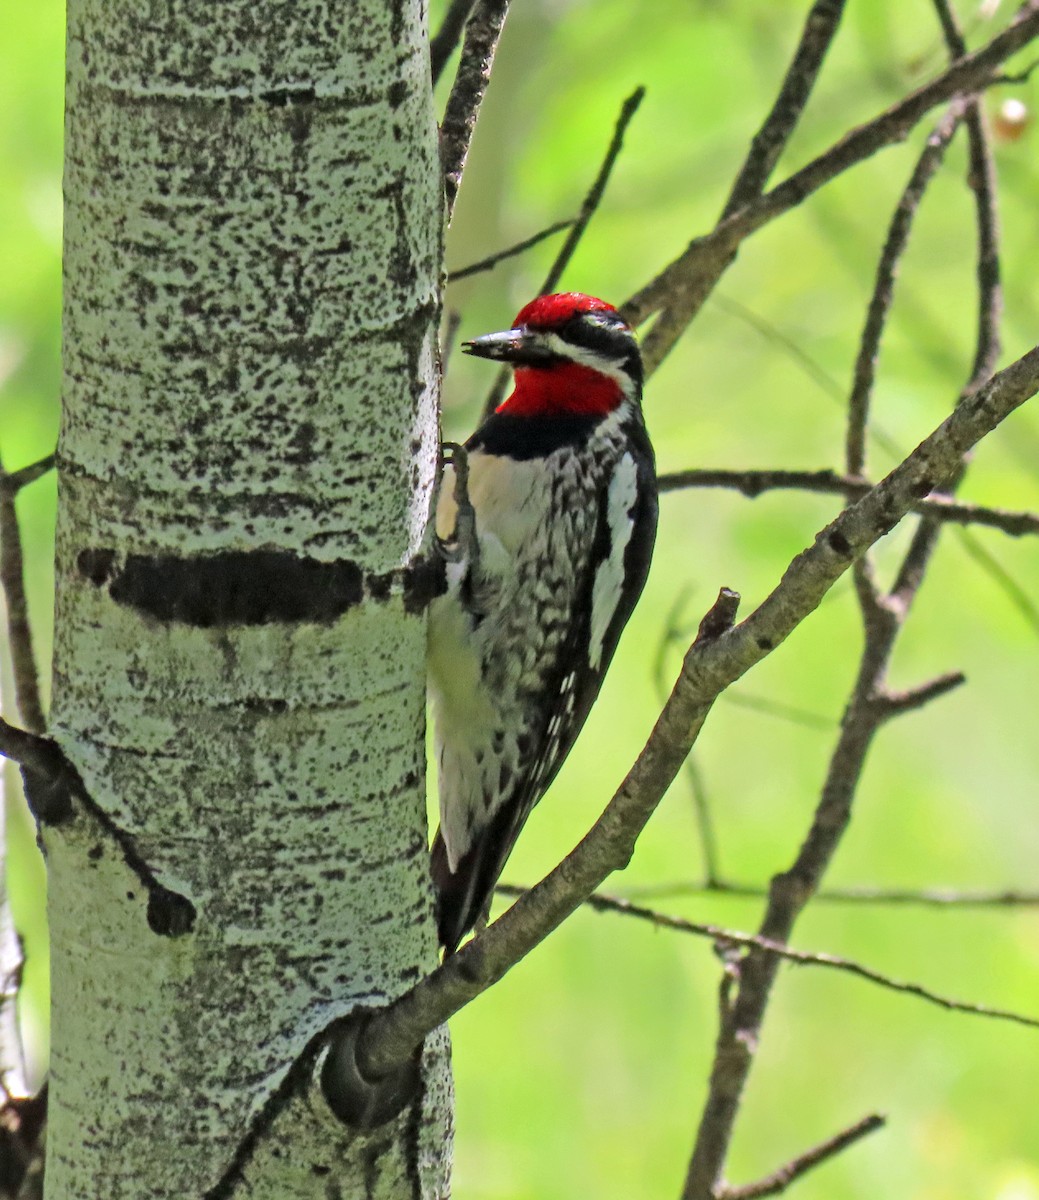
(709, 667)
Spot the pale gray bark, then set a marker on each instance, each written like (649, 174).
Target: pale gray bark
(253, 245)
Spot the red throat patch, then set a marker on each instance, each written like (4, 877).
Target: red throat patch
(566, 390)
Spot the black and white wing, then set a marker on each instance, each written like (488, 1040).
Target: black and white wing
(613, 580)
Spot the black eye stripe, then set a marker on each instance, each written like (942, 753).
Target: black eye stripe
(607, 335)
(613, 340)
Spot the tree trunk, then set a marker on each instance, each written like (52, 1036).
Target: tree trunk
(248, 449)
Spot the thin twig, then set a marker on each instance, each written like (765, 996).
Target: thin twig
(21, 478)
(900, 897)
(790, 346)
(1013, 78)
(776, 708)
(679, 290)
(675, 632)
(780, 950)
(12, 583)
(482, 32)
(981, 178)
(447, 37)
(780, 1180)
(883, 619)
(704, 818)
(884, 286)
(30, 751)
(768, 143)
(486, 264)
(595, 193)
(754, 483)
(895, 704)
(580, 224)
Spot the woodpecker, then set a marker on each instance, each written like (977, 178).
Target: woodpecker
(543, 570)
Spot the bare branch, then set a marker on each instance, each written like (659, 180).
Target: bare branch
(12, 582)
(768, 143)
(486, 264)
(981, 178)
(883, 618)
(30, 751)
(711, 664)
(907, 897)
(780, 1180)
(941, 507)
(681, 288)
(894, 704)
(395, 1030)
(595, 192)
(673, 634)
(752, 483)
(779, 950)
(463, 105)
(443, 44)
(579, 225)
(884, 285)
(16, 480)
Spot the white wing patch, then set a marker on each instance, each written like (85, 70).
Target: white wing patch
(609, 577)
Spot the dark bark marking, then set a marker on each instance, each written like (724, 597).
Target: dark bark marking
(265, 706)
(169, 913)
(380, 587)
(96, 565)
(424, 580)
(289, 94)
(397, 94)
(839, 544)
(55, 791)
(255, 587)
(236, 587)
(382, 1099)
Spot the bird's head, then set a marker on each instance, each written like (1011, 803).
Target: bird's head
(573, 356)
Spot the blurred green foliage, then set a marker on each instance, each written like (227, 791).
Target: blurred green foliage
(583, 1072)
(31, 78)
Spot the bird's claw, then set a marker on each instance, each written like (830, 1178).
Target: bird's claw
(461, 545)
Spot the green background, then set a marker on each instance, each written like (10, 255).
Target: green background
(582, 1073)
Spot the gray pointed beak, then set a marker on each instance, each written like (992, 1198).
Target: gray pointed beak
(519, 346)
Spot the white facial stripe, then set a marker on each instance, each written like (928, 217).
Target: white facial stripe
(612, 368)
(609, 577)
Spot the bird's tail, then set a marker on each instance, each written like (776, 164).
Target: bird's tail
(464, 895)
(458, 906)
